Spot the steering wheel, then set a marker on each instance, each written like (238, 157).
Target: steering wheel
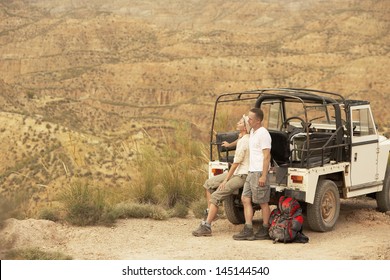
(303, 123)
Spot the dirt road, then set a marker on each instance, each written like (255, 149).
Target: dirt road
(361, 233)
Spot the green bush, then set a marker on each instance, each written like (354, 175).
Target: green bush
(180, 210)
(198, 207)
(34, 254)
(172, 173)
(125, 210)
(13, 206)
(148, 166)
(179, 184)
(84, 205)
(6, 208)
(51, 214)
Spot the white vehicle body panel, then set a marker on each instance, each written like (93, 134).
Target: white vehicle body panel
(223, 166)
(364, 164)
(310, 178)
(365, 149)
(383, 157)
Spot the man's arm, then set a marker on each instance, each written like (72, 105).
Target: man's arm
(266, 161)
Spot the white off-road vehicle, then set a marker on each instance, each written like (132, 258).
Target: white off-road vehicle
(324, 148)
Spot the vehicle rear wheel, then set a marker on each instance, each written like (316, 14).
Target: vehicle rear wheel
(383, 197)
(322, 215)
(233, 209)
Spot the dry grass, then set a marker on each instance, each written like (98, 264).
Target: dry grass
(172, 173)
(170, 177)
(84, 204)
(34, 254)
(126, 210)
(14, 206)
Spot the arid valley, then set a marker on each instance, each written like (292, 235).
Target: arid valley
(83, 82)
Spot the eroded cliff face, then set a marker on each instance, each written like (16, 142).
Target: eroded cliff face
(80, 79)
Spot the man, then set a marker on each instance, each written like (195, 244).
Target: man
(256, 186)
(225, 184)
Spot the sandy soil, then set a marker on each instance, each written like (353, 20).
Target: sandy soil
(361, 233)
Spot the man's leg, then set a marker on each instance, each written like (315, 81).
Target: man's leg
(247, 231)
(262, 196)
(248, 209)
(266, 211)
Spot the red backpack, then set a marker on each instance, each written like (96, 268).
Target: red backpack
(285, 223)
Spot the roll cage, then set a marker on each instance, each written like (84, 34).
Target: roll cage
(314, 145)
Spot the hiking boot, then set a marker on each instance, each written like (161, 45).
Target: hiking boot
(203, 230)
(245, 234)
(262, 234)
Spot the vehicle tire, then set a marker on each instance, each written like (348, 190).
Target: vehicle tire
(383, 197)
(234, 210)
(322, 215)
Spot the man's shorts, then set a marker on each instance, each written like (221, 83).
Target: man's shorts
(252, 189)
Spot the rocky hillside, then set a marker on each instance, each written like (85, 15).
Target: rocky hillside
(80, 79)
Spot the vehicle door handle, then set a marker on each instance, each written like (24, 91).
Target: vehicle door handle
(355, 157)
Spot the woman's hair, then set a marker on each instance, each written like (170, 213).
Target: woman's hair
(246, 123)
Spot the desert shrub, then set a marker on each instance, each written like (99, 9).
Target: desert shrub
(84, 205)
(34, 254)
(180, 210)
(198, 208)
(30, 95)
(13, 205)
(178, 184)
(51, 214)
(148, 166)
(125, 210)
(172, 173)
(6, 208)
(107, 218)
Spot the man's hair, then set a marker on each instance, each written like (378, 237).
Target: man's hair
(259, 113)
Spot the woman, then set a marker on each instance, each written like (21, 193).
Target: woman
(223, 185)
